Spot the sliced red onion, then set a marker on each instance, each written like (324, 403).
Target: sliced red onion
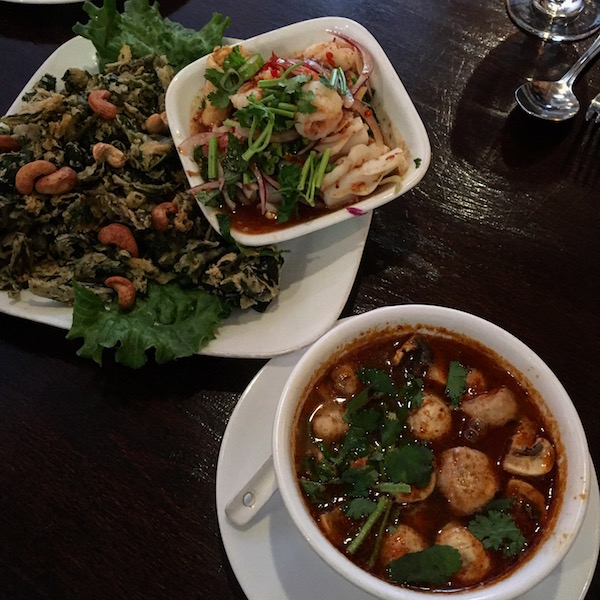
(280, 137)
(272, 182)
(357, 212)
(367, 59)
(198, 139)
(230, 203)
(367, 114)
(262, 189)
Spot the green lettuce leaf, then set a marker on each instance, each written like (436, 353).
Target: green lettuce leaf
(173, 321)
(144, 30)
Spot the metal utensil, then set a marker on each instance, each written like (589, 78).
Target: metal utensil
(555, 100)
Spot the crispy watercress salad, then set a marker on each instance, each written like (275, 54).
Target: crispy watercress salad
(124, 222)
(288, 135)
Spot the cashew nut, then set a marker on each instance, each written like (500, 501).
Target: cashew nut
(157, 123)
(112, 155)
(27, 174)
(160, 215)
(8, 143)
(98, 101)
(119, 235)
(124, 289)
(59, 182)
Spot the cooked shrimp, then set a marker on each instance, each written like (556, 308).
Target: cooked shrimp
(401, 541)
(475, 561)
(432, 420)
(327, 116)
(327, 422)
(211, 115)
(335, 53)
(360, 172)
(495, 408)
(467, 479)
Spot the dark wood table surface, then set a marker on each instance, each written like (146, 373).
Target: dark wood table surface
(107, 475)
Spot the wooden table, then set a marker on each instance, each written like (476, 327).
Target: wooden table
(107, 475)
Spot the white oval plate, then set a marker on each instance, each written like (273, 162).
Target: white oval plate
(392, 98)
(316, 278)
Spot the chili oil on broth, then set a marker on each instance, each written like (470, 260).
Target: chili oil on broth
(431, 515)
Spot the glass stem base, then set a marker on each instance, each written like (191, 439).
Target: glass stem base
(528, 16)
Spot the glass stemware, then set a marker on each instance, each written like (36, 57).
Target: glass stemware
(556, 20)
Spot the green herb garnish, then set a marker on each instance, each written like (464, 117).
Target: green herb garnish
(456, 384)
(433, 566)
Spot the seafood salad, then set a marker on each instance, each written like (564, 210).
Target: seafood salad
(290, 137)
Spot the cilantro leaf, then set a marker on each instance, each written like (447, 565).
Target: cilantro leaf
(173, 321)
(355, 442)
(498, 531)
(380, 380)
(145, 31)
(391, 431)
(366, 419)
(433, 566)
(313, 490)
(456, 384)
(289, 179)
(412, 391)
(412, 464)
(358, 508)
(359, 480)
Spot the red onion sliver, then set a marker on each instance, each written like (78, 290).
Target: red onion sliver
(365, 55)
(357, 212)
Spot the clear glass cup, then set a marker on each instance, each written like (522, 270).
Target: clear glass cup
(556, 20)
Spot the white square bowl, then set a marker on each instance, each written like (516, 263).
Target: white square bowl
(392, 101)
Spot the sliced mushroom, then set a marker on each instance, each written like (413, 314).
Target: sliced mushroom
(413, 356)
(495, 408)
(525, 492)
(533, 461)
(345, 380)
(529, 455)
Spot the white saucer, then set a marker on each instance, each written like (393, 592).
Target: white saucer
(271, 559)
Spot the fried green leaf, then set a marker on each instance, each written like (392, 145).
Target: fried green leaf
(145, 31)
(172, 321)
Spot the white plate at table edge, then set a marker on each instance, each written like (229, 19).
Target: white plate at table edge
(271, 559)
(316, 278)
(43, 1)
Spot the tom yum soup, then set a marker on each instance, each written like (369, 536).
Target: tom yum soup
(426, 462)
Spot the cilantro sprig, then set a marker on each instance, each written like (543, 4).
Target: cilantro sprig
(237, 69)
(498, 530)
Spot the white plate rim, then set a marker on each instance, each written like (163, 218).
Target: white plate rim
(316, 279)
